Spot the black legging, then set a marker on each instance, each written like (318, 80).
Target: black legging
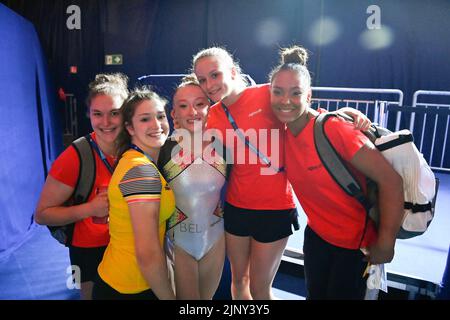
(332, 272)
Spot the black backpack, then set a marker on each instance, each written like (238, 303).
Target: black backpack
(83, 187)
(417, 216)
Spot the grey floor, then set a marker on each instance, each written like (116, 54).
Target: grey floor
(37, 270)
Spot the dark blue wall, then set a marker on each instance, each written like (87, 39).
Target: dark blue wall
(162, 36)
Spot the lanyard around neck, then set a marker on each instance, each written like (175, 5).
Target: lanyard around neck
(238, 131)
(100, 153)
(135, 147)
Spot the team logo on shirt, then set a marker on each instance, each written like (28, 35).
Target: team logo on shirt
(318, 166)
(254, 113)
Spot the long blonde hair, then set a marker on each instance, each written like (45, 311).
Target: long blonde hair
(224, 56)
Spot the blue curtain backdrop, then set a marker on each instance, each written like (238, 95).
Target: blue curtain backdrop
(409, 52)
(29, 133)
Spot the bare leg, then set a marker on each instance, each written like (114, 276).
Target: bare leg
(86, 290)
(210, 269)
(264, 262)
(238, 251)
(186, 276)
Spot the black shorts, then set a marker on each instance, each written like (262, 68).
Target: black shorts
(103, 291)
(262, 225)
(87, 259)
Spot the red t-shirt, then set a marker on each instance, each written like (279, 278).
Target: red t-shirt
(65, 169)
(335, 216)
(252, 185)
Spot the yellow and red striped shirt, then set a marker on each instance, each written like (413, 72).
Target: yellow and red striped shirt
(135, 179)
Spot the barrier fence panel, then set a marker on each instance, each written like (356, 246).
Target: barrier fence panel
(383, 106)
(433, 126)
(428, 121)
(372, 102)
(177, 77)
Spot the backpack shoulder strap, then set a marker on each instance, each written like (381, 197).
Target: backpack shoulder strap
(83, 187)
(87, 171)
(333, 162)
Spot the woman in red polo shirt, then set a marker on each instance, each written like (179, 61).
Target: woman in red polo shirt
(336, 230)
(259, 211)
(90, 235)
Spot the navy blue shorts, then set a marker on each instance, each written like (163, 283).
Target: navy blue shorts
(262, 225)
(87, 259)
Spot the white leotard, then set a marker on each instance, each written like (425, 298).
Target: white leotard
(197, 194)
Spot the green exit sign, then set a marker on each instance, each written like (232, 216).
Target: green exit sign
(113, 59)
